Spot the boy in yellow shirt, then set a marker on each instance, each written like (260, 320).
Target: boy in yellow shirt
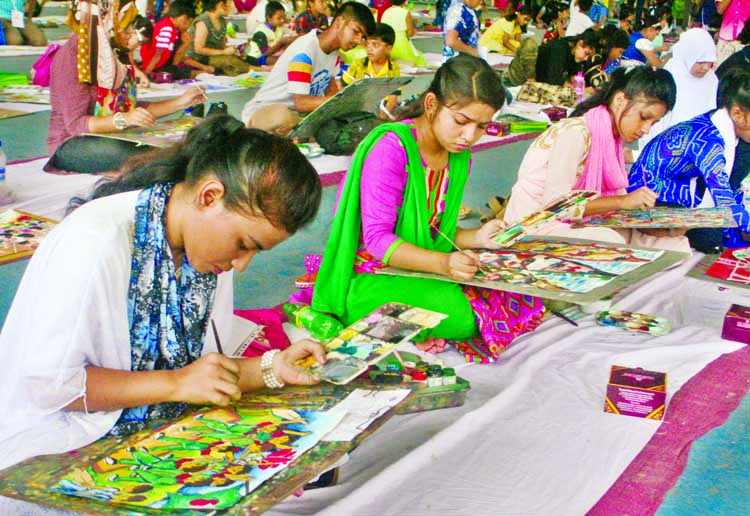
(378, 61)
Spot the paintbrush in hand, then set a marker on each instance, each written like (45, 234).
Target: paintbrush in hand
(216, 337)
(455, 246)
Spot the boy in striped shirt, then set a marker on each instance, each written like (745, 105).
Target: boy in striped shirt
(158, 55)
(304, 76)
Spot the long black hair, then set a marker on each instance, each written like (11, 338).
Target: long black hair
(523, 10)
(462, 80)
(612, 37)
(588, 38)
(641, 83)
(734, 89)
(260, 171)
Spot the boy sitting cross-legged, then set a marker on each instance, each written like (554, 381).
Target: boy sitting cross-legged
(269, 38)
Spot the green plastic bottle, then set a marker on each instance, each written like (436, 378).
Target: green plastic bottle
(320, 325)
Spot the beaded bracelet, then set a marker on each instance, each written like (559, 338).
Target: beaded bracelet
(266, 370)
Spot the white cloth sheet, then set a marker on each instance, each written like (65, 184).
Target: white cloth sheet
(532, 438)
(45, 194)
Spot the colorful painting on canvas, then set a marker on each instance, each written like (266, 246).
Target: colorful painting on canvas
(663, 217)
(368, 340)
(571, 270)
(21, 233)
(566, 206)
(162, 134)
(559, 265)
(208, 460)
(24, 93)
(733, 265)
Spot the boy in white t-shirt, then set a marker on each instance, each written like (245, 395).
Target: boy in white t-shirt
(304, 76)
(269, 38)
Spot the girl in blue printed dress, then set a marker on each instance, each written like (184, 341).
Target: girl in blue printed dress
(691, 164)
(461, 29)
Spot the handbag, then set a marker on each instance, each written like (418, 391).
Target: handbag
(40, 70)
(341, 135)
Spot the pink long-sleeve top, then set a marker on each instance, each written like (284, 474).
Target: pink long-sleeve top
(382, 185)
(72, 102)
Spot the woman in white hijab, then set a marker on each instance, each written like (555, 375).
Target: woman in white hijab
(691, 65)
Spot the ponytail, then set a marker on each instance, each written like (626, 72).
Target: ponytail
(641, 82)
(260, 171)
(460, 81)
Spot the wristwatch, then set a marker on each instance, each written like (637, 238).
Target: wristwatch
(119, 121)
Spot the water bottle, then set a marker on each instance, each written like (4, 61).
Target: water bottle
(745, 189)
(579, 84)
(6, 196)
(2, 35)
(320, 326)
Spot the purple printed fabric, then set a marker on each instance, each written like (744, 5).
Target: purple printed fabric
(501, 317)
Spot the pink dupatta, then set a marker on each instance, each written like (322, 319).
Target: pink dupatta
(604, 170)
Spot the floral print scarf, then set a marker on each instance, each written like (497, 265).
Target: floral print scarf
(168, 311)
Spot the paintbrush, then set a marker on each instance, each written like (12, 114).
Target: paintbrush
(563, 317)
(216, 337)
(455, 246)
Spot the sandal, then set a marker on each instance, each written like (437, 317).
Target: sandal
(496, 206)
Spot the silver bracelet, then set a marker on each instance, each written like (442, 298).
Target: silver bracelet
(266, 370)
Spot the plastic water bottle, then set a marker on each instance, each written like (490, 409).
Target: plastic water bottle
(579, 85)
(745, 189)
(320, 326)
(6, 196)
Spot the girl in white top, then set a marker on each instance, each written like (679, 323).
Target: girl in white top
(585, 152)
(108, 328)
(691, 66)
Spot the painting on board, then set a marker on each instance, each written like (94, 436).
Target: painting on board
(368, 340)
(208, 460)
(561, 266)
(163, 134)
(11, 113)
(27, 93)
(732, 265)
(362, 95)
(573, 270)
(663, 217)
(566, 206)
(21, 233)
